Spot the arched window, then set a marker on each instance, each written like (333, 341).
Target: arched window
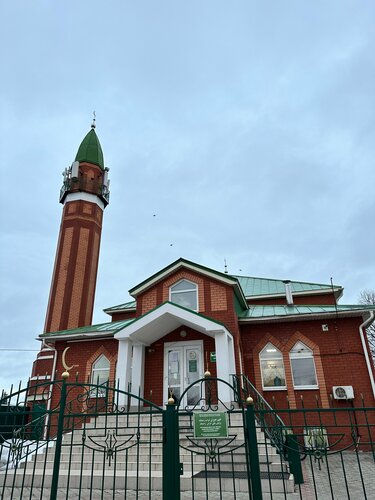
(184, 293)
(303, 367)
(100, 370)
(272, 368)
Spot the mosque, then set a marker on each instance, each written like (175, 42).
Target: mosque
(288, 338)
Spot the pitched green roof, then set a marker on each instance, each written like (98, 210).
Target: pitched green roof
(121, 307)
(111, 327)
(253, 287)
(90, 150)
(258, 312)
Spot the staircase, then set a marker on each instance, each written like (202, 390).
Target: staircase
(125, 452)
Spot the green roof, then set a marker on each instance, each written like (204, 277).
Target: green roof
(90, 150)
(257, 312)
(263, 286)
(121, 307)
(111, 327)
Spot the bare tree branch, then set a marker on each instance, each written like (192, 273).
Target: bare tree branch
(368, 297)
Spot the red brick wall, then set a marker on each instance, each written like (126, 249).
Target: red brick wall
(123, 315)
(338, 355)
(82, 355)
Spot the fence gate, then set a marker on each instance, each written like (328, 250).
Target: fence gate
(67, 439)
(216, 450)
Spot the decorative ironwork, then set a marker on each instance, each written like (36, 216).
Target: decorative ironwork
(111, 446)
(212, 448)
(124, 442)
(208, 398)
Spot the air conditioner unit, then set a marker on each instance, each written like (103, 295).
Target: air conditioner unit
(343, 392)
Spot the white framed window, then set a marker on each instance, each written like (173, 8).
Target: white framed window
(303, 367)
(272, 368)
(99, 375)
(184, 293)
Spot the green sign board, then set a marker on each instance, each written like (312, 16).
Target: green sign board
(193, 366)
(213, 357)
(210, 425)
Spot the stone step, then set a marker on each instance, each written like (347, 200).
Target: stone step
(145, 482)
(132, 465)
(143, 454)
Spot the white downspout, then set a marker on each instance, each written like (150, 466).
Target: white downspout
(49, 402)
(367, 322)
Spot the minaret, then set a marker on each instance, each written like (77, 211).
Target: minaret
(85, 195)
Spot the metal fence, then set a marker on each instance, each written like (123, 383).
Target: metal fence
(67, 439)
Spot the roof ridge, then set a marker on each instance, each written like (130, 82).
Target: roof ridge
(238, 276)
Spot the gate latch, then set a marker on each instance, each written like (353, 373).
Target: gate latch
(181, 468)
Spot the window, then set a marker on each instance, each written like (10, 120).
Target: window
(303, 367)
(272, 368)
(99, 375)
(185, 293)
(316, 438)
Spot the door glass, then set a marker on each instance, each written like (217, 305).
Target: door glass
(193, 363)
(174, 374)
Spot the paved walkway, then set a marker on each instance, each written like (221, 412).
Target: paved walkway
(350, 477)
(131, 495)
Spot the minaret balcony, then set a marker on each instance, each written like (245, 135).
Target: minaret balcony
(73, 185)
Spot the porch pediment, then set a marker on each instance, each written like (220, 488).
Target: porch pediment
(164, 319)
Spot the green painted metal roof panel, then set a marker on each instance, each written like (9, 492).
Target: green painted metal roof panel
(127, 305)
(279, 311)
(90, 150)
(112, 326)
(264, 286)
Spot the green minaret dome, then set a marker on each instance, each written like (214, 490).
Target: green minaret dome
(90, 150)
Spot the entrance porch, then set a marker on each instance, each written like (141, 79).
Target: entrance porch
(163, 352)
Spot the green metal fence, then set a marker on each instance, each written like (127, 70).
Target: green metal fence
(67, 439)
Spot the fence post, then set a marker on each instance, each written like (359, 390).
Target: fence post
(60, 428)
(252, 450)
(294, 458)
(171, 453)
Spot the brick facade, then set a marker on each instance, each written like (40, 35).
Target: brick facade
(337, 353)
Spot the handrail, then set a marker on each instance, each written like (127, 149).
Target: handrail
(269, 421)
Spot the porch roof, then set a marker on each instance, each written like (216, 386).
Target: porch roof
(165, 318)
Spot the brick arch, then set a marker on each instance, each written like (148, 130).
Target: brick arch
(268, 338)
(299, 337)
(112, 363)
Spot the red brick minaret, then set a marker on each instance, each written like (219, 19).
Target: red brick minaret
(84, 195)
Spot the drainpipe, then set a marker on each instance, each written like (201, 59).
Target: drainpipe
(363, 326)
(288, 292)
(49, 402)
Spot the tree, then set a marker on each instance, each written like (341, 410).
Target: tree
(368, 297)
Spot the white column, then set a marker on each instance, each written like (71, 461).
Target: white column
(232, 362)
(123, 369)
(138, 371)
(223, 365)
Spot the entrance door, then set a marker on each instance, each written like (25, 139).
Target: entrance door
(183, 365)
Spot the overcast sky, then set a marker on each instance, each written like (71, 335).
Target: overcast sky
(246, 127)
